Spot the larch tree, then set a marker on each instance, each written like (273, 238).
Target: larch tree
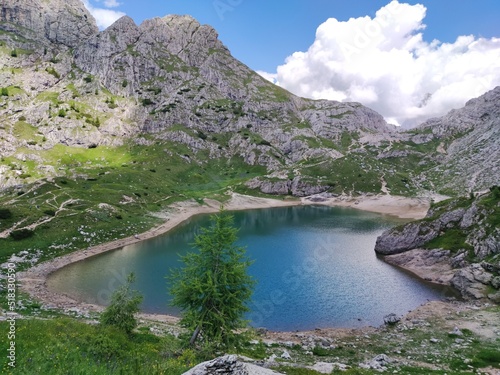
(213, 287)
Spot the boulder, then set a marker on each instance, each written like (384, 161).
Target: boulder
(408, 237)
(228, 365)
(391, 319)
(472, 281)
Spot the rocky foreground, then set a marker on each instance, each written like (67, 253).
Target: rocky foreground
(438, 336)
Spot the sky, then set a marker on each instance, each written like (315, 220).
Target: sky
(408, 60)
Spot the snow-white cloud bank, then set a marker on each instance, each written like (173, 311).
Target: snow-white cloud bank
(104, 17)
(384, 63)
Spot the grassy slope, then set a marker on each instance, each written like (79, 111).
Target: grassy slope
(130, 180)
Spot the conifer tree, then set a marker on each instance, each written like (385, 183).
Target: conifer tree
(213, 286)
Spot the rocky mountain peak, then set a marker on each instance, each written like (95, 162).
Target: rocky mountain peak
(65, 22)
(182, 36)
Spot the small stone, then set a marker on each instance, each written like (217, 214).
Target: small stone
(286, 355)
(391, 319)
(456, 332)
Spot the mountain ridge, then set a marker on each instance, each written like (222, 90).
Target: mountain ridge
(171, 81)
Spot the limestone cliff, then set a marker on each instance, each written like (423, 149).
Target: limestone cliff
(65, 22)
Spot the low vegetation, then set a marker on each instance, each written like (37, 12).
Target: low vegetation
(425, 346)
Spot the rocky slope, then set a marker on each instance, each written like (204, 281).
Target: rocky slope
(458, 243)
(469, 149)
(171, 81)
(167, 80)
(64, 22)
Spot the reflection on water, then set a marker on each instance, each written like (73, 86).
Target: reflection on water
(315, 267)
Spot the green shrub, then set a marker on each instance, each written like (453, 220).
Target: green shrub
(103, 348)
(21, 234)
(202, 135)
(13, 53)
(50, 212)
(321, 352)
(124, 305)
(88, 79)
(5, 91)
(124, 83)
(53, 72)
(496, 191)
(146, 102)
(5, 213)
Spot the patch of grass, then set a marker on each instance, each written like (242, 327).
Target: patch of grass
(297, 371)
(53, 71)
(274, 93)
(487, 357)
(78, 348)
(25, 131)
(48, 96)
(452, 239)
(422, 371)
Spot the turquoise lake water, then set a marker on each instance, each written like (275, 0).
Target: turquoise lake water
(315, 267)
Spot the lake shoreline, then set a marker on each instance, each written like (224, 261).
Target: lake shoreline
(34, 280)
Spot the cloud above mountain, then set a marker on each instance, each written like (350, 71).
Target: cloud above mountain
(104, 17)
(384, 63)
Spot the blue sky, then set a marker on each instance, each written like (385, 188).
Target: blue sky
(409, 60)
(262, 33)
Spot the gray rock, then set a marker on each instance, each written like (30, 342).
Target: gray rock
(456, 332)
(495, 297)
(228, 365)
(470, 281)
(327, 368)
(495, 282)
(286, 355)
(378, 363)
(391, 319)
(58, 21)
(469, 217)
(411, 236)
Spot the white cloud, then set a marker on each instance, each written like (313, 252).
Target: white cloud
(384, 63)
(111, 3)
(104, 17)
(269, 76)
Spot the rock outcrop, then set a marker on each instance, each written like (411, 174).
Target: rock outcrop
(469, 145)
(229, 365)
(458, 243)
(65, 22)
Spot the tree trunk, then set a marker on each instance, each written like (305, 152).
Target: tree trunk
(195, 335)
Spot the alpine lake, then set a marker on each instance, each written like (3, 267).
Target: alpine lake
(315, 268)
